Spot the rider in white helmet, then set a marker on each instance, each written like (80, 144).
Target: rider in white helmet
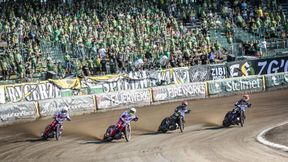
(62, 115)
(125, 118)
(129, 115)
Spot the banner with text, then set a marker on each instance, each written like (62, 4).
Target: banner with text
(220, 87)
(240, 68)
(14, 112)
(258, 67)
(31, 91)
(192, 90)
(271, 65)
(139, 97)
(218, 71)
(142, 79)
(75, 105)
(276, 80)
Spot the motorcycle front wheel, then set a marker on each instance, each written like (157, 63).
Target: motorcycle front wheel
(242, 119)
(164, 125)
(181, 125)
(57, 132)
(127, 133)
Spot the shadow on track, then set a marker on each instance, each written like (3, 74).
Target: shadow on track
(36, 140)
(151, 133)
(95, 142)
(31, 140)
(215, 128)
(155, 133)
(102, 142)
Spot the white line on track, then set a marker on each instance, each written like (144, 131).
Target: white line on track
(261, 138)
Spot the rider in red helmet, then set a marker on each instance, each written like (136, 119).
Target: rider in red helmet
(243, 104)
(244, 101)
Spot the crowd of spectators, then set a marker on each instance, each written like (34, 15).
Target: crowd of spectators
(103, 36)
(262, 18)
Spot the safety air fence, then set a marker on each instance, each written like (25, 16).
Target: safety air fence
(77, 105)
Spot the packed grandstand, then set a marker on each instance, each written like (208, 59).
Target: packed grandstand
(202, 65)
(97, 37)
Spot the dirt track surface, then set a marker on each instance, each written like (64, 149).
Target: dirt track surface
(278, 135)
(203, 139)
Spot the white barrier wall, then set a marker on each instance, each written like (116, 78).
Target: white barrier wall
(123, 98)
(16, 112)
(75, 104)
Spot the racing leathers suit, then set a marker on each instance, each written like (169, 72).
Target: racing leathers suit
(125, 118)
(182, 110)
(241, 106)
(60, 117)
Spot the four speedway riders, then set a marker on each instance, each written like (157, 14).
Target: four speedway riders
(130, 115)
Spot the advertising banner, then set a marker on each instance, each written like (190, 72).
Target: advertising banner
(240, 68)
(271, 65)
(258, 67)
(123, 98)
(31, 91)
(75, 105)
(218, 71)
(14, 112)
(199, 73)
(141, 79)
(234, 85)
(192, 90)
(276, 80)
(181, 75)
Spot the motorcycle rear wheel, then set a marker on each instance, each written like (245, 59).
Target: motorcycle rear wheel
(164, 125)
(226, 122)
(46, 132)
(107, 136)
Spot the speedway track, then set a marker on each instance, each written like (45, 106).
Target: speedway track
(203, 138)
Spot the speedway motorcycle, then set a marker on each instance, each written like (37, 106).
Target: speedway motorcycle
(175, 121)
(118, 131)
(234, 117)
(52, 130)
